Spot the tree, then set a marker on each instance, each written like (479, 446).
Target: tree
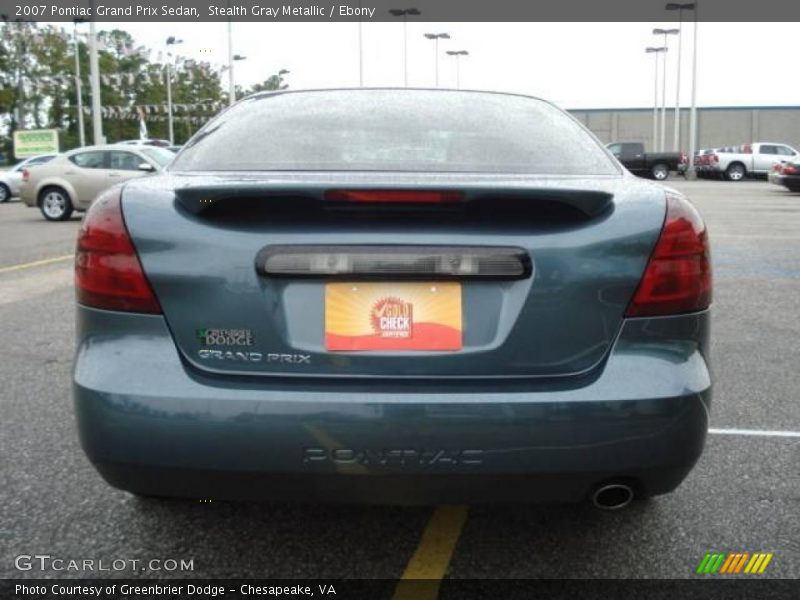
(271, 83)
(37, 79)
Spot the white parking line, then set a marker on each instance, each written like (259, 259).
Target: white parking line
(756, 432)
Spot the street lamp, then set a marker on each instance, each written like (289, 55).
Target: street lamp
(232, 82)
(665, 33)
(680, 7)
(676, 137)
(436, 37)
(94, 79)
(171, 41)
(655, 52)
(360, 47)
(405, 13)
(458, 54)
(78, 86)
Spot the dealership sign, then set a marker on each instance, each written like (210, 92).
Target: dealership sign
(31, 142)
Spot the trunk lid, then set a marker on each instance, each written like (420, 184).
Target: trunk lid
(202, 241)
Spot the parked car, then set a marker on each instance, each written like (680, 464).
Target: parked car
(393, 295)
(786, 174)
(147, 142)
(11, 180)
(72, 180)
(751, 159)
(653, 164)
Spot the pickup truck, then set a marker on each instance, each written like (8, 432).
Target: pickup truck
(654, 164)
(751, 159)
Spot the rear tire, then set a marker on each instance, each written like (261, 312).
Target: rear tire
(5, 192)
(55, 204)
(735, 172)
(660, 171)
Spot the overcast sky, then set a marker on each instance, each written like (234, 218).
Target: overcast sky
(576, 65)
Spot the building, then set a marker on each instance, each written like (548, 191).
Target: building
(717, 126)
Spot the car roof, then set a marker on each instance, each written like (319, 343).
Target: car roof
(51, 154)
(272, 93)
(101, 147)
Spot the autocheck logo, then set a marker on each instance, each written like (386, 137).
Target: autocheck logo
(734, 563)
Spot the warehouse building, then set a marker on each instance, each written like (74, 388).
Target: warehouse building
(717, 126)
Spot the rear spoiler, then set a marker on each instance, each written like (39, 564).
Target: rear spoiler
(199, 199)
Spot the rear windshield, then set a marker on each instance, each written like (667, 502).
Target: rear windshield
(161, 156)
(395, 130)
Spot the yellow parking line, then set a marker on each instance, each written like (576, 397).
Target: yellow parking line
(37, 263)
(433, 554)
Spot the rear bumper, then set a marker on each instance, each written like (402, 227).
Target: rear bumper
(788, 181)
(153, 426)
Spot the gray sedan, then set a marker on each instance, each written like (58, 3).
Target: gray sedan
(393, 295)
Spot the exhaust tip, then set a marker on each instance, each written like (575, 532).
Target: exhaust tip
(612, 496)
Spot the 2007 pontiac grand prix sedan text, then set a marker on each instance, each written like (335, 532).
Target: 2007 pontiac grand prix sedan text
(384, 295)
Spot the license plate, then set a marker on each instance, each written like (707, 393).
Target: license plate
(393, 316)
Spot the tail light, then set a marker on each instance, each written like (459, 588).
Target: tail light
(790, 170)
(394, 196)
(713, 158)
(26, 175)
(684, 158)
(108, 273)
(677, 278)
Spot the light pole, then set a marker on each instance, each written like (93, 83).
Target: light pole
(94, 73)
(655, 52)
(458, 54)
(232, 82)
(78, 86)
(665, 33)
(676, 139)
(693, 111)
(436, 37)
(360, 47)
(405, 12)
(171, 41)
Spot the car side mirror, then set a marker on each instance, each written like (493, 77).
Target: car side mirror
(146, 167)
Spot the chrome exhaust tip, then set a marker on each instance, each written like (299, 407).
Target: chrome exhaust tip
(612, 496)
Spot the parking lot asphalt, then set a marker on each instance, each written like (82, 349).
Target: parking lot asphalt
(744, 494)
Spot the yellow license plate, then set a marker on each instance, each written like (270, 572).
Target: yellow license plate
(393, 316)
